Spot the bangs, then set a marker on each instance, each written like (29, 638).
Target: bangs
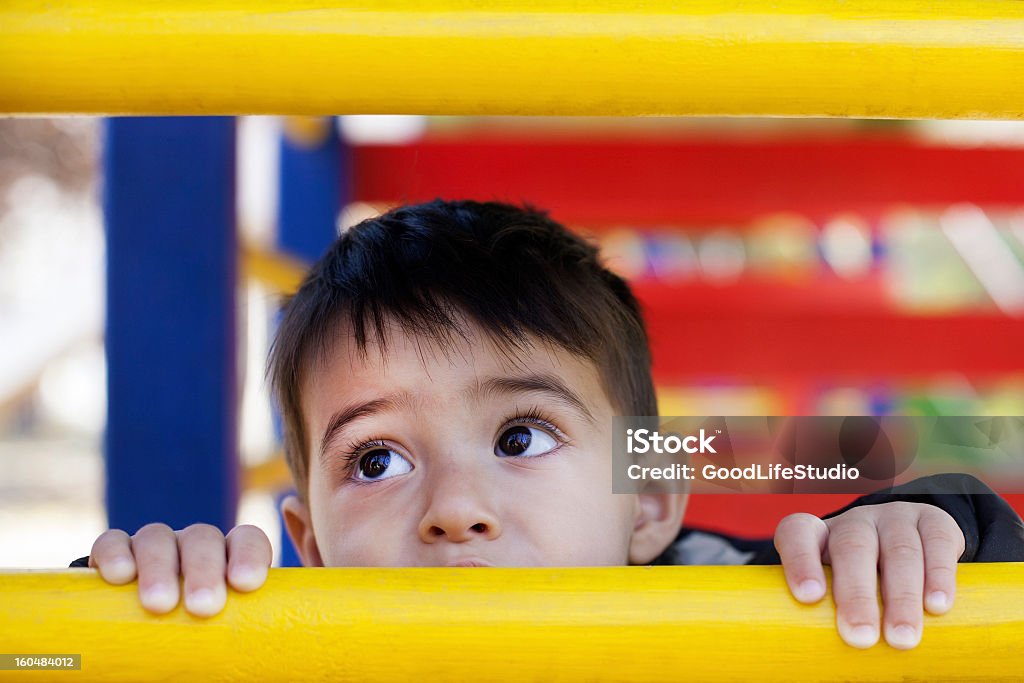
(432, 270)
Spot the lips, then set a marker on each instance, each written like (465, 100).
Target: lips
(470, 562)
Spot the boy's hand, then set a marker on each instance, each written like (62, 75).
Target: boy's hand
(156, 553)
(916, 547)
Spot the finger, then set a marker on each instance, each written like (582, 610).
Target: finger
(249, 557)
(902, 565)
(800, 539)
(202, 551)
(156, 556)
(853, 548)
(943, 544)
(112, 554)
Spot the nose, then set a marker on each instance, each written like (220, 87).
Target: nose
(459, 509)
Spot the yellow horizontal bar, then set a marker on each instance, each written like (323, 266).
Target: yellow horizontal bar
(470, 624)
(277, 270)
(847, 58)
(270, 475)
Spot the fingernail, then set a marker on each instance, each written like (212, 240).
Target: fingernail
(160, 596)
(862, 636)
(247, 578)
(809, 590)
(937, 601)
(202, 601)
(902, 636)
(120, 568)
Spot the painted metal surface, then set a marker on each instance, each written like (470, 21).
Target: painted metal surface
(854, 58)
(171, 439)
(472, 624)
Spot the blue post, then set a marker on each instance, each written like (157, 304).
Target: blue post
(313, 188)
(169, 199)
(312, 185)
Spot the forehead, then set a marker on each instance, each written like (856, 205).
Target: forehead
(429, 371)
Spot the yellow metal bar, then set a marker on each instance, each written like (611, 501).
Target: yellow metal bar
(858, 58)
(277, 270)
(466, 624)
(272, 475)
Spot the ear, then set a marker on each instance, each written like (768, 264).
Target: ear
(300, 530)
(656, 524)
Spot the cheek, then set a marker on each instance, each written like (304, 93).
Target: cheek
(351, 538)
(578, 521)
(606, 527)
(354, 529)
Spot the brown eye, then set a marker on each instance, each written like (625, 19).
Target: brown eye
(382, 463)
(524, 441)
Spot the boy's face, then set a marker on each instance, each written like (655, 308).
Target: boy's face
(430, 459)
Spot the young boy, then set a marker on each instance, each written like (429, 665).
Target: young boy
(447, 375)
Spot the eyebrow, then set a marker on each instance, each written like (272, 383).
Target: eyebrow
(340, 419)
(537, 383)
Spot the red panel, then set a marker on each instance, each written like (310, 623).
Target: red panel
(758, 333)
(755, 516)
(763, 295)
(650, 181)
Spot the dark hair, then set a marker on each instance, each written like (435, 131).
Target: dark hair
(513, 271)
